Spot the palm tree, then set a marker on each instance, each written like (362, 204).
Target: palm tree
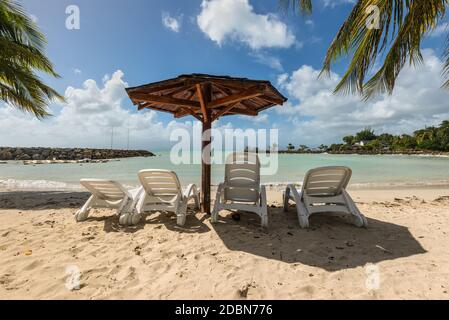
(21, 56)
(402, 26)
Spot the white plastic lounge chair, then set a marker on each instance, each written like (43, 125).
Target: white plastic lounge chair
(324, 190)
(107, 194)
(163, 192)
(241, 189)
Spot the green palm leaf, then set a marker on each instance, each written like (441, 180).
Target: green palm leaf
(21, 56)
(446, 65)
(304, 6)
(403, 24)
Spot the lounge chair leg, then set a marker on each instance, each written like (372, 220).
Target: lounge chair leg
(123, 219)
(130, 218)
(303, 217)
(196, 197)
(359, 219)
(303, 221)
(217, 207)
(83, 213)
(181, 213)
(286, 198)
(181, 220)
(124, 207)
(140, 203)
(264, 208)
(214, 216)
(197, 201)
(264, 219)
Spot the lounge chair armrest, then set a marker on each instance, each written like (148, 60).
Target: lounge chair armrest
(350, 202)
(221, 186)
(135, 193)
(291, 189)
(190, 191)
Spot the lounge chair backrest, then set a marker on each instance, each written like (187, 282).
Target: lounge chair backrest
(104, 189)
(326, 181)
(242, 177)
(160, 185)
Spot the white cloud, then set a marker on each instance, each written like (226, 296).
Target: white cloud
(236, 20)
(259, 120)
(174, 24)
(319, 116)
(268, 60)
(442, 29)
(77, 71)
(86, 121)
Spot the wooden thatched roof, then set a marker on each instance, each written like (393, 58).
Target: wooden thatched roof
(207, 97)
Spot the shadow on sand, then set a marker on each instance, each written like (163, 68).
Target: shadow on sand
(53, 200)
(194, 222)
(41, 200)
(332, 243)
(168, 220)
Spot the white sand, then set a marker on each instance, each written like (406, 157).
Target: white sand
(407, 242)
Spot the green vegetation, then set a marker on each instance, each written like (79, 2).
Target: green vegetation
(427, 140)
(290, 147)
(434, 139)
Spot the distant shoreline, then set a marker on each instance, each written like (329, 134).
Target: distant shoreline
(375, 153)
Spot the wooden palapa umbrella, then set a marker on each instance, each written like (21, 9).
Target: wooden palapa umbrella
(207, 98)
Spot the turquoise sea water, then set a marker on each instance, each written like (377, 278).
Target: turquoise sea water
(368, 171)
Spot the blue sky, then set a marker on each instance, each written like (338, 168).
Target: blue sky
(128, 43)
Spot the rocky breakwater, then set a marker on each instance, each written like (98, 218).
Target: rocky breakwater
(24, 154)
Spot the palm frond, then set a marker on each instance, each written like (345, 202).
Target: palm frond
(15, 23)
(446, 65)
(21, 56)
(402, 25)
(300, 6)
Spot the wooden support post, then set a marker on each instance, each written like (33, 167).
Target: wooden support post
(206, 168)
(206, 148)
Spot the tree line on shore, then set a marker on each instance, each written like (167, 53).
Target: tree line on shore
(429, 139)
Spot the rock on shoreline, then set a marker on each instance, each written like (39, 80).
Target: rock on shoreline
(23, 154)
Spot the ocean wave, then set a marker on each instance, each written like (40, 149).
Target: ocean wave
(13, 184)
(375, 185)
(37, 184)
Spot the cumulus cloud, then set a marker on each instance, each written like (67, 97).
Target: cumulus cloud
(86, 120)
(88, 117)
(171, 23)
(236, 20)
(319, 116)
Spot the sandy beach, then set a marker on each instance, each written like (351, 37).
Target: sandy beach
(406, 244)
